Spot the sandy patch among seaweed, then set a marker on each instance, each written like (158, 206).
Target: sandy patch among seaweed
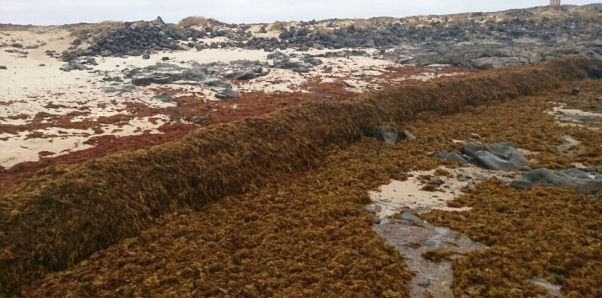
(411, 194)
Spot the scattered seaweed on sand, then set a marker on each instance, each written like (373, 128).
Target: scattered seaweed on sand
(66, 213)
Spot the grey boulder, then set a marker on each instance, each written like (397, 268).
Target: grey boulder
(407, 135)
(223, 89)
(499, 156)
(74, 65)
(165, 73)
(578, 180)
(225, 93)
(454, 156)
(164, 97)
(384, 133)
(246, 75)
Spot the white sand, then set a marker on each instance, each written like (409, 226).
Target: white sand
(566, 114)
(19, 148)
(27, 88)
(399, 195)
(278, 80)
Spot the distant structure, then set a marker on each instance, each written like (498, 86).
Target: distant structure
(555, 3)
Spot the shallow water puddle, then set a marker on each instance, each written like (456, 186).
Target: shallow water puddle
(412, 237)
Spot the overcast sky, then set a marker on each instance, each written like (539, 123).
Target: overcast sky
(46, 12)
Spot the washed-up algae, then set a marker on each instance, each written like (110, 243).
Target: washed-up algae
(540, 233)
(306, 234)
(62, 215)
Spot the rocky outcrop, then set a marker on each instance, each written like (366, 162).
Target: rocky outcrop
(483, 40)
(209, 75)
(134, 39)
(298, 64)
(79, 64)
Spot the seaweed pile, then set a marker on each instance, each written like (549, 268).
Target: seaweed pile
(307, 233)
(302, 235)
(64, 214)
(559, 242)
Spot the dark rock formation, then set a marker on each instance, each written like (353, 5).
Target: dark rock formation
(581, 180)
(471, 40)
(134, 38)
(498, 156)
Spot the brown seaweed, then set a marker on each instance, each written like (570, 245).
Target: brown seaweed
(65, 213)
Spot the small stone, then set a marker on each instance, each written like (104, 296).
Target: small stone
(146, 56)
(225, 93)
(3, 67)
(436, 180)
(164, 97)
(407, 135)
(471, 186)
(575, 91)
(201, 120)
(165, 58)
(384, 133)
(374, 208)
(384, 221)
(479, 177)
(411, 218)
(91, 61)
(425, 283)
(432, 243)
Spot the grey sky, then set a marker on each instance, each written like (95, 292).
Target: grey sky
(45, 12)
